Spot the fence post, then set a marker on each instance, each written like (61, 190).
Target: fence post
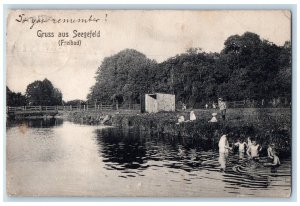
(117, 106)
(40, 108)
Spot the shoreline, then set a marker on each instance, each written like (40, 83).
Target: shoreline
(263, 125)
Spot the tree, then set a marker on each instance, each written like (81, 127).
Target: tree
(189, 76)
(75, 102)
(284, 76)
(43, 93)
(14, 99)
(248, 67)
(122, 77)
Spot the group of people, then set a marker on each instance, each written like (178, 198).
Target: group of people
(222, 107)
(251, 148)
(213, 105)
(192, 118)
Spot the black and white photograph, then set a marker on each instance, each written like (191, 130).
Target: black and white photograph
(149, 103)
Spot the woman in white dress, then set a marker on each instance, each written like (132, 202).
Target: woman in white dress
(223, 151)
(192, 116)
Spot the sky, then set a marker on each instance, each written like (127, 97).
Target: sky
(158, 34)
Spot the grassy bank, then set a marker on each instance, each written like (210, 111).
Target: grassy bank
(263, 125)
(92, 116)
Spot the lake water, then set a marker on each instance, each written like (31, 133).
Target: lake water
(56, 158)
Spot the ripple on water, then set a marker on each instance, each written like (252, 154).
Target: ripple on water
(170, 158)
(172, 164)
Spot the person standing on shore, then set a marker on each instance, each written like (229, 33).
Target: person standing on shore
(222, 106)
(183, 106)
(214, 106)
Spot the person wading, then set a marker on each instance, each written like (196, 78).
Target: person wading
(223, 151)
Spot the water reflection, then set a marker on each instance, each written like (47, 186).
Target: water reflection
(126, 152)
(56, 157)
(129, 149)
(35, 123)
(132, 152)
(222, 160)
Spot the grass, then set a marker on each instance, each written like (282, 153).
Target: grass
(263, 125)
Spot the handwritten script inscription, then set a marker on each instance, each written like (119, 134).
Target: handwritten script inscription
(41, 19)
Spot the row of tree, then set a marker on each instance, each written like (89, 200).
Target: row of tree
(37, 93)
(247, 68)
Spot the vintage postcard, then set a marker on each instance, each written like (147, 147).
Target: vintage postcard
(148, 103)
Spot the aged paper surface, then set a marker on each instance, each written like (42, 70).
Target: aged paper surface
(146, 31)
(67, 47)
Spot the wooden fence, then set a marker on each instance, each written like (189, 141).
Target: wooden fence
(237, 104)
(32, 108)
(85, 107)
(104, 107)
(61, 108)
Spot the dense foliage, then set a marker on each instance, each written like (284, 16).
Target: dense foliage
(14, 99)
(75, 102)
(247, 68)
(122, 77)
(43, 93)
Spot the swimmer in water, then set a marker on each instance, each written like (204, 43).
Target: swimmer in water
(241, 146)
(276, 160)
(270, 151)
(249, 142)
(253, 150)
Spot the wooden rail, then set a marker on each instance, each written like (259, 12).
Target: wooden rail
(104, 107)
(237, 104)
(88, 107)
(32, 108)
